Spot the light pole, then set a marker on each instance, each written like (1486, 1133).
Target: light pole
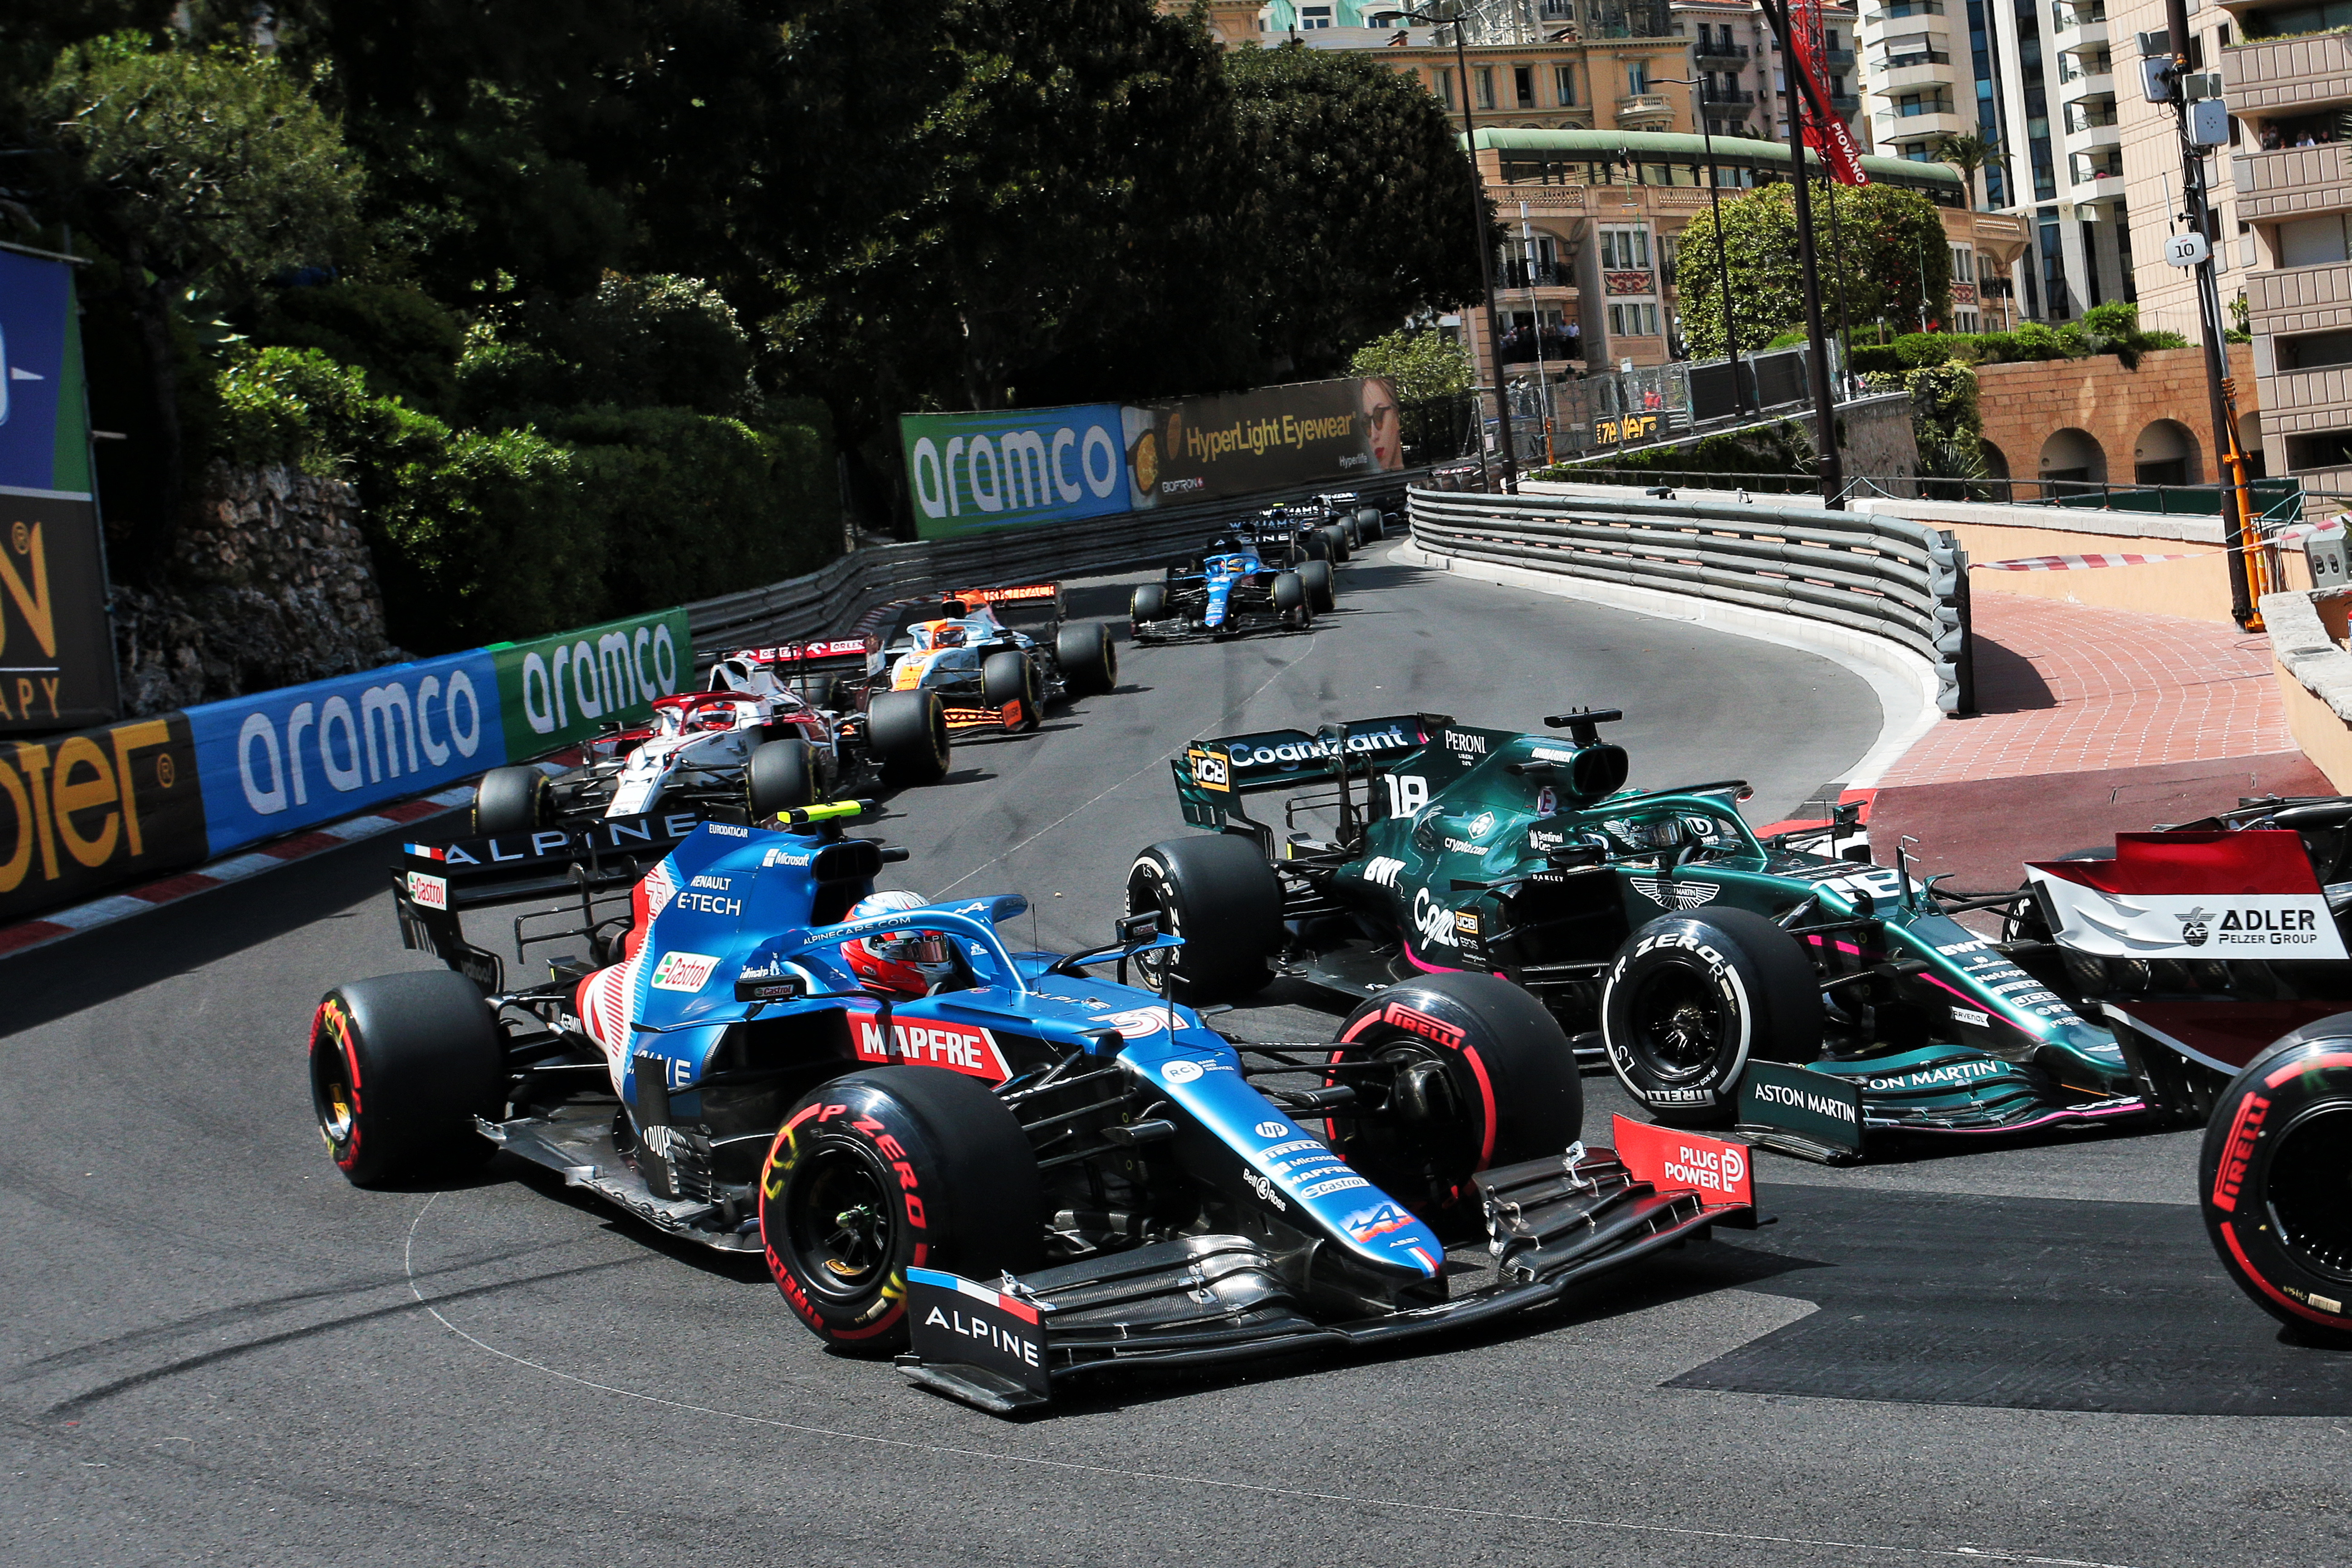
(1477, 227)
(1722, 251)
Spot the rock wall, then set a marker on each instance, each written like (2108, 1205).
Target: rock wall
(273, 585)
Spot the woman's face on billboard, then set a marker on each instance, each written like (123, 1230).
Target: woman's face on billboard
(1383, 426)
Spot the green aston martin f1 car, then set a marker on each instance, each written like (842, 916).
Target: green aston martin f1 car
(1810, 999)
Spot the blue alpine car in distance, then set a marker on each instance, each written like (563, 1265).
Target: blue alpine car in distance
(1270, 573)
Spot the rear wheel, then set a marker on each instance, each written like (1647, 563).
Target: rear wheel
(778, 779)
(1313, 544)
(1219, 895)
(880, 1171)
(1089, 657)
(1289, 593)
(1009, 677)
(907, 733)
(1315, 578)
(2276, 1181)
(1460, 1073)
(512, 800)
(1690, 998)
(400, 1066)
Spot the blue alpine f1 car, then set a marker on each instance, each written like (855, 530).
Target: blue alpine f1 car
(1022, 1175)
(1271, 572)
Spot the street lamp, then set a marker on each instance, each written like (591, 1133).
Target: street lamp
(1722, 251)
(1477, 223)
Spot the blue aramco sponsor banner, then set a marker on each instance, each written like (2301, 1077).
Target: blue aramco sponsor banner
(278, 761)
(969, 472)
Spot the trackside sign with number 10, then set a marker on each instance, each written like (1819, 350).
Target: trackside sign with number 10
(2187, 249)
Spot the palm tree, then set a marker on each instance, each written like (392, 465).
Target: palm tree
(1968, 151)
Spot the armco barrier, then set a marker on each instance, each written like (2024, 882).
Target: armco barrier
(831, 600)
(82, 813)
(1885, 577)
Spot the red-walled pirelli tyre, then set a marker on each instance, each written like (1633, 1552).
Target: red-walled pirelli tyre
(890, 1169)
(1690, 998)
(1462, 1073)
(2276, 1181)
(400, 1066)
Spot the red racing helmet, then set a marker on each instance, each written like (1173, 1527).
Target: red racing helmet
(900, 962)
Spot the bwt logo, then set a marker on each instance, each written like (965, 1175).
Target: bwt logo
(351, 748)
(1020, 470)
(620, 671)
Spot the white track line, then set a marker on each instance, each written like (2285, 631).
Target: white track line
(943, 1451)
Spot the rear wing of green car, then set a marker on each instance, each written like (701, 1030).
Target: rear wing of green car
(1214, 774)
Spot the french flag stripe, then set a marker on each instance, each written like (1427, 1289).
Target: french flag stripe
(940, 1280)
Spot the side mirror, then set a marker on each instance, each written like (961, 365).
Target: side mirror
(768, 985)
(1133, 929)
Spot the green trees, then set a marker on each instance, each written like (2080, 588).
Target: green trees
(542, 279)
(1892, 264)
(1422, 363)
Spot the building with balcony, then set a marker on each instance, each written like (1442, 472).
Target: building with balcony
(2283, 196)
(2034, 78)
(1588, 275)
(1744, 86)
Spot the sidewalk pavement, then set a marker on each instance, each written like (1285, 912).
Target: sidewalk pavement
(2091, 721)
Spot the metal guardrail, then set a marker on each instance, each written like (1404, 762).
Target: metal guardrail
(1885, 577)
(831, 600)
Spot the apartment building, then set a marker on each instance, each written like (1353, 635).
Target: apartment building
(2282, 191)
(2036, 77)
(1744, 87)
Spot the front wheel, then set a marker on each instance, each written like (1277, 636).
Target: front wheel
(512, 800)
(907, 733)
(880, 1171)
(400, 1066)
(1455, 1074)
(1368, 523)
(1149, 602)
(778, 779)
(1289, 595)
(1009, 677)
(1338, 538)
(1224, 899)
(1690, 998)
(1089, 657)
(2276, 1181)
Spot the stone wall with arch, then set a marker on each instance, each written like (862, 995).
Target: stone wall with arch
(2023, 404)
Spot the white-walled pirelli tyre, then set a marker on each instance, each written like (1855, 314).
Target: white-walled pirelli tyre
(512, 800)
(1691, 999)
(1315, 578)
(1465, 1072)
(1089, 657)
(1218, 894)
(1368, 523)
(907, 732)
(2276, 1181)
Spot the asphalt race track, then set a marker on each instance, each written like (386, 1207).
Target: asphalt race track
(216, 1350)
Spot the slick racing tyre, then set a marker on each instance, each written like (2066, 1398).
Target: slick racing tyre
(1289, 592)
(400, 1066)
(778, 779)
(1313, 544)
(1338, 538)
(1149, 602)
(907, 733)
(1315, 578)
(1219, 895)
(2276, 1181)
(1690, 998)
(881, 1170)
(1009, 677)
(1456, 1074)
(1089, 657)
(1367, 523)
(511, 800)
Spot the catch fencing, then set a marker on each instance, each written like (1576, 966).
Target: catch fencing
(834, 599)
(1886, 578)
